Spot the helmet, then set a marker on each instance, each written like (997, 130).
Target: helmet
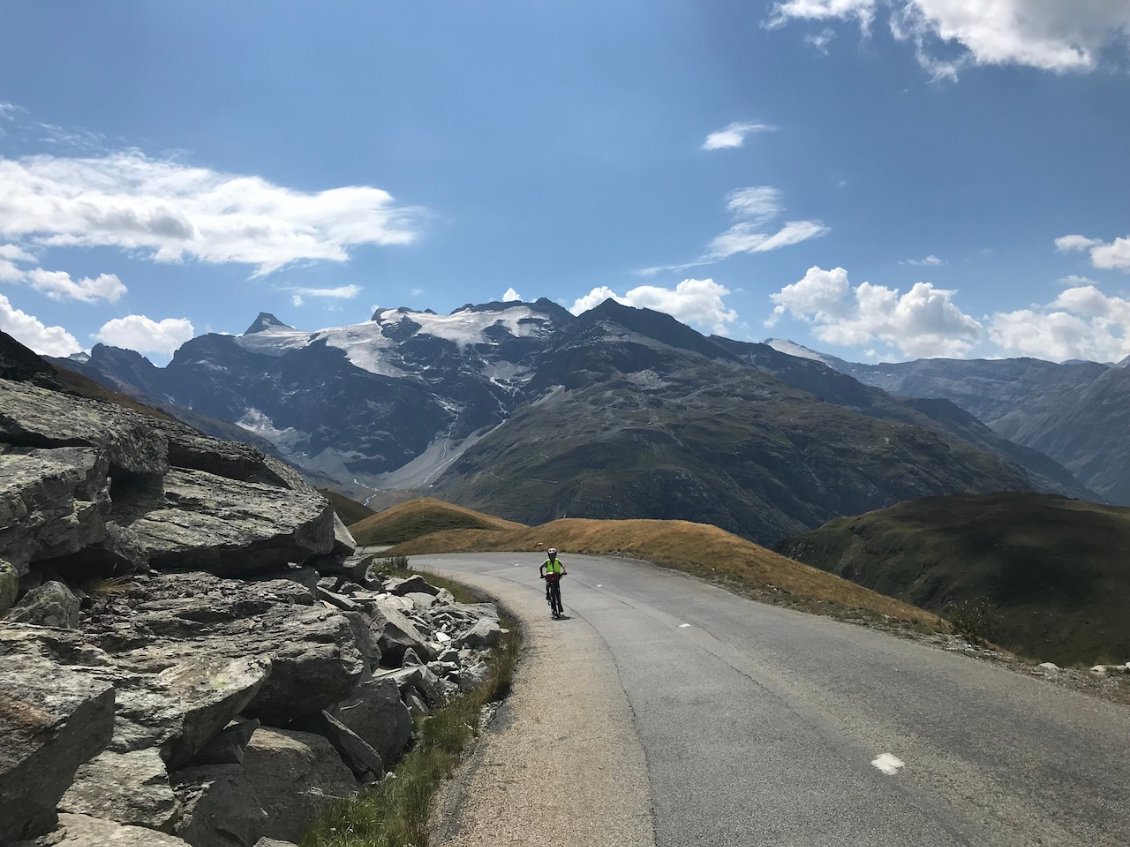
(552, 551)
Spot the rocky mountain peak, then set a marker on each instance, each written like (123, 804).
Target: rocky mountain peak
(265, 321)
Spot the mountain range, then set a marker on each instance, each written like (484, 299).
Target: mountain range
(1077, 413)
(532, 413)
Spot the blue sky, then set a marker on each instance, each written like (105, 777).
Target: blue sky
(888, 178)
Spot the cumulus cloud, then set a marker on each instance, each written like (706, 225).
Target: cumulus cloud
(693, 301)
(32, 332)
(58, 285)
(510, 295)
(172, 212)
(733, 135)
(1108, 256)
(145, 335)
(1082, 322)
(1047, 34)
(924, 321)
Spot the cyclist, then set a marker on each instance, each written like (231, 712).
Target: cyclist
(551, 571)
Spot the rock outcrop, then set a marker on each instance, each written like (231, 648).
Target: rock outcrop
(173, 668)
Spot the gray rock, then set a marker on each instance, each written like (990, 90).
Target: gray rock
(296, 776)
(87, 831)
(52, 604)
(181, 708)
(9, 585)
(36, 417)
(231, 527)
(274, 842)
(227, 748)
(485, 633)
(374, 711)
(128, 788)
(221, 808)
(337, 600)
(450, 656)
(52, 502)
(52, 719)
(421, 600)
(364, 638)
(344, 544)
(415, 702)
(179, 617)
(414, 584)
(472, 676)
(193, 450)
(365, 762)
(435, 690)
(410, 659)
(398, 633)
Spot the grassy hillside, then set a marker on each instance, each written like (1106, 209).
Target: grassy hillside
(1055, 570)
(698, 549)
(350, 511)
(419, 517)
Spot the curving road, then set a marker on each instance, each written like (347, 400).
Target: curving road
(738, 723)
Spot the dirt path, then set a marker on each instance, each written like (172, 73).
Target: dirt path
(562, 763)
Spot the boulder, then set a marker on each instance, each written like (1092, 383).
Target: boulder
(128, 788)
(52, 719)
(9, 585)
(398, 633)
(220, 807)
(421, 600)
(376, 714)
(485, 633)
(179, 709)
(87, 831)
(173, 618)
(52, 502)
(344, 544)
(36, 417)
(358, 755)
(232, 527)
(193, 450)
(51, 604)
(296, 776)
(274, 842)
(227, 747)
(414, 584)
(435, 690)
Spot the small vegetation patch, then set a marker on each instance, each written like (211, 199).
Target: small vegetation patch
(394, 813)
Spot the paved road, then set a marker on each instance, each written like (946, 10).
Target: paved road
(765, 726)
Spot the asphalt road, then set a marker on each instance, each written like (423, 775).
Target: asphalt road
(762, 726)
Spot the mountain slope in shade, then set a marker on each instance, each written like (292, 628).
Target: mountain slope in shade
(1054, 568)
(634, 415)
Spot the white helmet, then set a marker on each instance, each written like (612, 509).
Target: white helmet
(552, 551)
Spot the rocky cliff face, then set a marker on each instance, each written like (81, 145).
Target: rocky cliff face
(174, 668)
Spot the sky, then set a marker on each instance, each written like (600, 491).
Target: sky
(878, 179)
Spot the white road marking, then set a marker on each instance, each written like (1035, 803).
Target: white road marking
(888, 764)
(683, 625)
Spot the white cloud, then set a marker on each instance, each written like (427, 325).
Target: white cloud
(296, 300)
(754, 208)
(58, 285)
(924, 321)
(1081, 323)
(9, 272)
(145, 335)
(32, 332)
(342, 292)
(175, 212)
(1053, 35)
(15, 253)
(1073, 280)
(511, 294)
(821, 40)
(733, 135)
(693, 301)
(1112, 256)
(930, 260)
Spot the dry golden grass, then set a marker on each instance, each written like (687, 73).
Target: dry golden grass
(422, 516)
(697, 549)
